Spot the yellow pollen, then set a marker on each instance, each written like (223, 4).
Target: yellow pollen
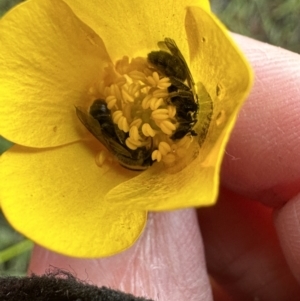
(134, 144)
(160, 114)
(130, 144)
(137, 122)
(134, 133)
(155, 77)
(164, 148)
(123, 124)
(156, 155)
(167, 127)
(101, 157)
(151, 81)
(127, 111)
(147, 130)
(160, 93)
(116, 116)
(139, 104)
(137, 75)
(171, 111)
(116, 91)
(164, 83)
(111, 101)
(155, 103)
(126, 96)
(146, 101)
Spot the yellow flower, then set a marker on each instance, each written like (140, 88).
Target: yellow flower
(51, 54)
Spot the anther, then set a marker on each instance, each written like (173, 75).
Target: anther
(126, 96)
(164, 148)
(140, 110)
(111, 101)
(147, 130)
(134, 133)
(156, 155)
(155, 103)
(101, 157)
(160, 114)
(167, 127)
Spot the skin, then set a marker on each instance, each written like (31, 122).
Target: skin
(247, 246)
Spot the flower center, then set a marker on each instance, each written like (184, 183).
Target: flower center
(144, 109)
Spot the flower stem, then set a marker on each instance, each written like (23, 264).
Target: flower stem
(15, 250)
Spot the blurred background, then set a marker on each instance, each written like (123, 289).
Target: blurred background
(273, 21)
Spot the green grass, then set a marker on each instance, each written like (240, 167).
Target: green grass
(5, 5)
(272, 21)
(14, 250)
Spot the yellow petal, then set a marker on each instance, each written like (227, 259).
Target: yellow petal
(216, 61)
(134, 27)
(56, 198)
(48, 60)
(218, 64)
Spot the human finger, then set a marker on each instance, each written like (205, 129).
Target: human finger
(243, 253)
(166, 263)
(262, 158)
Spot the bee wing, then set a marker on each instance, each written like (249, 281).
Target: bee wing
(162, 46)
(171, 45)
(95, 129)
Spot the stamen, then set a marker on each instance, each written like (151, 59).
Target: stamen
(111, 101)
(134, 144)
(137, 75)
(164, 148)
(130, 144)
(160, 114)
(115, 90)
(134, 133)
(164, 83)
(151, 81)
(167, 127)
(101, 157)
(155, 103)
(146, 108)
(137, 122)
(160, 93)
(155, 77)
(148, 130)
(171, 111)
(116, 116)
(122, 65)
(123, 124)
(156, 155)
(126, 96)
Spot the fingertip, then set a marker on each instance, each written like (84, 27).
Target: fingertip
(262, 160)
(287, 221)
